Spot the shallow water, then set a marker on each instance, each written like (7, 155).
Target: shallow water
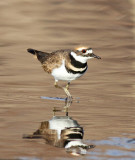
(107, 91)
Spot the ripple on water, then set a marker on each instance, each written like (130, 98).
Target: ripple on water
(117, 148)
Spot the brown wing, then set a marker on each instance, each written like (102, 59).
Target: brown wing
(55, 59)
(52, 60)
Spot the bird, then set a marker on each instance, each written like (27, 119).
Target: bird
(65, 65)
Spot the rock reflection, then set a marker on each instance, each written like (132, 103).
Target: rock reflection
(62, 131)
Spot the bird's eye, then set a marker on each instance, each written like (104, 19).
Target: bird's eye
(84, 51)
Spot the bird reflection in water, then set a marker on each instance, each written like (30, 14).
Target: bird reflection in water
(62, 131)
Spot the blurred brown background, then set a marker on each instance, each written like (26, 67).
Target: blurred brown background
(106, 91)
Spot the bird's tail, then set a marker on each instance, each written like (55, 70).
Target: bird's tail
(33, 51)
(41, 56)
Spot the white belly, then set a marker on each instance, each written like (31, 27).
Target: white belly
(60, 123)
(62, 74)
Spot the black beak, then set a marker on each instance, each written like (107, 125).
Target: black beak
(94, 56)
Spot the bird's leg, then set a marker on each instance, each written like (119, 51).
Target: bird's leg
(69, 97)
(68, 101)
(67, 86)
(56, 85)
(66, 89)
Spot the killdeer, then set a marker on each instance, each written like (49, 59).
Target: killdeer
(66, 65)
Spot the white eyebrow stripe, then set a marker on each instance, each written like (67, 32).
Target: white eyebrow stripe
(88, 51)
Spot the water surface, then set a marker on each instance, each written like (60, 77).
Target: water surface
(107, 91)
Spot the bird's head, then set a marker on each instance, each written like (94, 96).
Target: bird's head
(87, 52)
(76, 150)
(82, 54)
(79, 150)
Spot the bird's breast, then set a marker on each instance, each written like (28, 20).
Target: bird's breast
(74, 70)
(67, 72)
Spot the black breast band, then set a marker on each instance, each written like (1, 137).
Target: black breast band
(77, 64)
(75, 72)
